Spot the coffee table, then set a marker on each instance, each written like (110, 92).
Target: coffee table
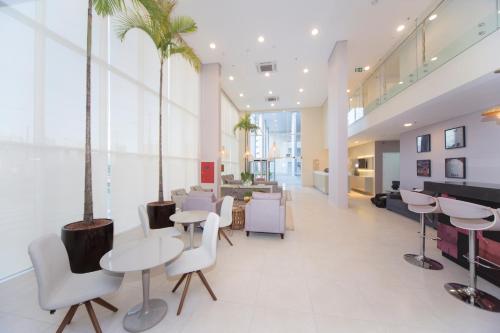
(190, 218)
(143, 255)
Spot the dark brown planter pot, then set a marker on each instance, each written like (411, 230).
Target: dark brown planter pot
(86, 244)
(159, 213)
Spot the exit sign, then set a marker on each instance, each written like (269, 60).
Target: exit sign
(358, 69)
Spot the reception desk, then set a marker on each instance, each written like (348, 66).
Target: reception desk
(454, 242)
(321, 181)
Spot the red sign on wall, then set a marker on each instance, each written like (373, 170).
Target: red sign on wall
(207, 172)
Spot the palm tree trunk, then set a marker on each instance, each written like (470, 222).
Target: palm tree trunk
(160, 179)
(246, 150)
(88, 211)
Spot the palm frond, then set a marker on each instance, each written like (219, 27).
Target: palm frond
(108, 7)
(136, 20)
(185, 51)
(182, 25)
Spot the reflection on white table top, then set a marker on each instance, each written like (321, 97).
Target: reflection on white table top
(142, 254)
(190, 216)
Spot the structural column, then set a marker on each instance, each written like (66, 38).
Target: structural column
(210, 120)
(337, 125)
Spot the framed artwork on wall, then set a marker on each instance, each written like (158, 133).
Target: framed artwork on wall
(424, 143)
(454, 138)
(455, 167)
(423, 168)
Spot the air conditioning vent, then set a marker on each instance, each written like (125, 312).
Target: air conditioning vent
(272, 99)
(266, 67)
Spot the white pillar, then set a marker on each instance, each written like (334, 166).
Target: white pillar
(210, 120)
(337, 125)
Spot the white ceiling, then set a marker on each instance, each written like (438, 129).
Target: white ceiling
(234, 25)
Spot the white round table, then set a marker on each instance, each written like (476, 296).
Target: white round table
(190, 218)
(143, 255)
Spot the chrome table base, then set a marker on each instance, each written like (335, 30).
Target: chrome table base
(423, 262)
(474, 297)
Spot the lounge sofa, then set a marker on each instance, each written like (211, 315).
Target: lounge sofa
(266, 213)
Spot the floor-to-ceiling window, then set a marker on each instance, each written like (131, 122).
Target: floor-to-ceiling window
(42, 117)
(278, 142)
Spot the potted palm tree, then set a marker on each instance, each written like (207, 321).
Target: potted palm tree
(88, 240)
(166, 32)
(245, 124)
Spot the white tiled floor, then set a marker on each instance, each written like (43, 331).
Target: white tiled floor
(339, 271)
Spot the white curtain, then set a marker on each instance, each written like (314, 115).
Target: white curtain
(231, 152)
(42, 113)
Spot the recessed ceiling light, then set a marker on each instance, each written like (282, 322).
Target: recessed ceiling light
(301, 90)
(401, 82)
(212, 46)
(261, 39)
(315, 32)
(266, 74)
(400, 28)
(298, 103)
(242, 95)
(231, 78)
(270, 92)
(434, 58)
(306, 70)
(350, 99)
(248, 106)
(272, 104)
(366, 68)
(434, 16)
(348, 91)
(408, 125)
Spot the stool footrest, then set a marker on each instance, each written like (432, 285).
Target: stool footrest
(485, 263)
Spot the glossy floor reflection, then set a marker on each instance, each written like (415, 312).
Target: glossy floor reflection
(339, 271)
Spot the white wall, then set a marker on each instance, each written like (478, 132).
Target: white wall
(482, 151)
(42, 118)
(313, 142)
(230, 117)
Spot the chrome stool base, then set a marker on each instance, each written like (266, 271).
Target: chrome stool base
(423, 262)
(474, 297)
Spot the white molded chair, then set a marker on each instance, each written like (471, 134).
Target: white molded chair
(422, 204)
(59, 288)
(472, 217)
(143, 216)
(226, 217)
(191, 261)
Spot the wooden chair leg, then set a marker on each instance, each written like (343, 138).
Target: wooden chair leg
(225, 236)
(219, 234)
(93, 317)
(179, 282)
(67, 318)
(205, 282)
(105, 304)
(184, 293)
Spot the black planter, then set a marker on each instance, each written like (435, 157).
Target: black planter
(159, 214)
(86, 244)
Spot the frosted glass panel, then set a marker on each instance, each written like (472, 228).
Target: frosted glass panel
(16, 84)
(42, 124)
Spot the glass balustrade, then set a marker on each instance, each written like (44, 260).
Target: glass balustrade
(450, 29)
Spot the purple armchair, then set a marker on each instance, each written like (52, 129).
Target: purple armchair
(202, 201)
(265, 213)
